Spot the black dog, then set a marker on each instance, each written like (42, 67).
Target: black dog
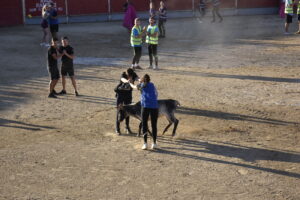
(167, 108)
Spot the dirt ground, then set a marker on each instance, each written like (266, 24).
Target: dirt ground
(238, 135)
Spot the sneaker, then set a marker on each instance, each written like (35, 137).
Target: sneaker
(47, 45)
(76, 94)
(298, 32)
(144, 147)
(62, 92)
(51, 95)
(154, 146)
(54, 92)
(286, 33)
(150, 67)
(42, 44)
(118, 132)
(155, 67)
(138, 67)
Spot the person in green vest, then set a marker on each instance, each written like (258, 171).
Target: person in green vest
(136, 42)
(152, 41)
(289, 12)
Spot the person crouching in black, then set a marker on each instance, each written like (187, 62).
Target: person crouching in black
(124, 96)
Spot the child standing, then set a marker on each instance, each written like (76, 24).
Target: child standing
(67, 68)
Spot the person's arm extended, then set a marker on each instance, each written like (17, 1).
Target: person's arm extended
(153, 35)
(124, 80)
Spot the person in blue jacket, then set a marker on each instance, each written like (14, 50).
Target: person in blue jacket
(149, 106)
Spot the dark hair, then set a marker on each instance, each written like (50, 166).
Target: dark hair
(146, 78)
(52, 4)
(152, 18)
(65, 38)
(55, 39)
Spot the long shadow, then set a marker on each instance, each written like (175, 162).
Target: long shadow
(93, 78)
(229, 76)
(230, 116)
(21, 125)
(248, 154)
(92, 99)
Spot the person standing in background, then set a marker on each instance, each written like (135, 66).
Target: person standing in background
(53, 21)
(67, 67)
(136, 43)
(130, 15)
(45, 26)
(162, 18)
(152, 41)
(216, 10)
(281, 8)
(289, 12)
(152, 12)
(53, 68)
(298, 13)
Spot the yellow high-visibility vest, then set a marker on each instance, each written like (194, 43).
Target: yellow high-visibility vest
(149, 39)
(289, 7)
(134, 40)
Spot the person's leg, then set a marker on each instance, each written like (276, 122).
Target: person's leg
(139, 55)
(150, 55)
(63, 81)
(52, 85)
(134, 56)
(163, 29)
(44, 36)
(154, 52)
(73, 82)
(127, 120)
(160, 23)
(214, 14)
(118, 117)
(218, 13)
(154, 117)
(145, 117)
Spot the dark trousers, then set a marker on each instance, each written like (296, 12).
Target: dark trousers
(137, 55)
(161, 27)
(215, 11)
(121, 115)
(153, 112)
(152, 51)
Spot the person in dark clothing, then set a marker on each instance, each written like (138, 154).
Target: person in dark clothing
(162, 18)
(53, 68)
(67, 68)
(215, 10)
(53, 21)
(149, 105)
(124, 96)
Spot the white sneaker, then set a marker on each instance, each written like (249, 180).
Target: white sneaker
(155, 67)
(286, 33)
(47, 45)
(42, 44)
(154, 146)
(144, 147)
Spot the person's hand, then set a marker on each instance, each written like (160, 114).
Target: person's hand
(64, 52)
(145, 28)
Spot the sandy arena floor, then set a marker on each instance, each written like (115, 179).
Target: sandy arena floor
(238, 135)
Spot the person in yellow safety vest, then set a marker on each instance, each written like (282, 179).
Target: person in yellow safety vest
(298, 13)
(289, 12)
(152, 40)
(136, 42)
